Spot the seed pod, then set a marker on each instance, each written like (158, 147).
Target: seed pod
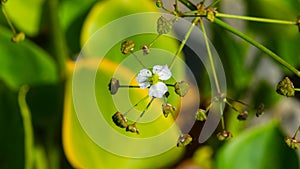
(167, 109)
(260, 110)
(127, 46)
(163, 25)
(184, 140)
(224, 135)
(146, 49)
(132, 128)
(181, 88)
(201, 115)
(292, 143)
(19, 37)
(285, 87)
(120, 120)
(113, 86)
(243, 115)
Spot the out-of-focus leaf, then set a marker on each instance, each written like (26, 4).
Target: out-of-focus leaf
(24, 63)
(80, 149)
(72, 14)
(11, 129)
(106, 11)
(275, 9)
(259, 148)
(26, 15)
(83, 152)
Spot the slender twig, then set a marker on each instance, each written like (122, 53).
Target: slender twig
(258, 45)
(256, 19)
(57, 38)
(187, 35)
(211, 61)
(28, 129)
(143, 112)
(8, 20)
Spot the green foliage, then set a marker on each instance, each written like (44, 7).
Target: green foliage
(24, 63)
(260, 148)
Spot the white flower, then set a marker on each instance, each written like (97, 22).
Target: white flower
(154, 79)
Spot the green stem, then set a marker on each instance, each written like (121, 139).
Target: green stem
(189, 4)
(297, 89)
(28, 129)
(214, 4)
(296, 133)
(256, 19)
(222, 119)
(144, 98)
(187, 35)
(8, 20)
(212, 64)
(147, 107)
(57, 37)
(258, 45)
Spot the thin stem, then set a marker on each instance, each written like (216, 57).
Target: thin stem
(256, 19)
(8, 20)
(296, 133)
(130, 86)
(144, 98)
(258, 45)
(214, 4)
(155, 39)
(297, 89)
(222, 119)
(189, 4)
(139, 60)
(28, 129)
(187, 35)
(212, 64)
(148, 105)
(57, 37)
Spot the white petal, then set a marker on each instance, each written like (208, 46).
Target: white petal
(163, 72)
(142, 78)
(158, 90)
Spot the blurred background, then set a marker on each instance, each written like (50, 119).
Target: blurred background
(56, 31)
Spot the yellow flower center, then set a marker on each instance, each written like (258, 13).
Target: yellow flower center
(154, 79)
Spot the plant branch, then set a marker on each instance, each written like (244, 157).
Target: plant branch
(255, 19)
(57, 37)
(258, 45)
(188, 33)
(28, 129)
(211, 61)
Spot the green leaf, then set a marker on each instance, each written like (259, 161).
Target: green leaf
(24, 63)
(258, 148)
(82, 150)
(26, 15)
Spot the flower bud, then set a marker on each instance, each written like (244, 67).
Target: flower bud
(211, 14)
(224, 135)
(132, 128)
(181, 88)
(184, 140)
(285, 87)
(19, 37)
(127, 46)
(163, 25)
(201, 115)
(146, 49)
(167, 109)
(260, 110)
(120, 120)
(113, 86)
(292, 143)
(243, 115)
